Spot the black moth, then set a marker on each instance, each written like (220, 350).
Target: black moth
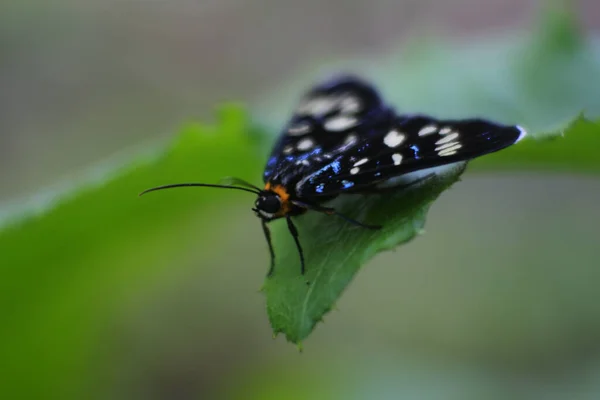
(342, 138)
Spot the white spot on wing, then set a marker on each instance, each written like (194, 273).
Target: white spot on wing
(305, 144)
(317, 106)
(354, 170)
(445, 146)
(299, 129)
(523, 133)
(450, 150)
(351, 139)
(350, 105)
(445, 131)
(448, 138)
(393, 138)
(287, 149)
(440, 171)
(428, 130)
(348, 143)
(397, 158)
(340, 123)
(361, 162)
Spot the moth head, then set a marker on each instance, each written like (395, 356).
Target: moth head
(268, 205)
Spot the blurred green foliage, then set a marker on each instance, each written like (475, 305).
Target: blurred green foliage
(67, 270)
(72, 265)
(542, 80)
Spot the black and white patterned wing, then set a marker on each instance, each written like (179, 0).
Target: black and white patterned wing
(330, 118)
(408, 145)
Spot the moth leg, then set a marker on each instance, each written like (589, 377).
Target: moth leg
(332, 211)
(267, 233)
(295, 235)
(402, 187)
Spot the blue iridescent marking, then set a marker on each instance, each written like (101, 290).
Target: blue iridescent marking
(347, 184)
(305, 156)
(415, 148)
(320, 187)
(336, 167)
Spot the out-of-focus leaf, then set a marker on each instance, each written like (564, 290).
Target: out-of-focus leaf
(65, 271)
(574, 149)
(541, 79)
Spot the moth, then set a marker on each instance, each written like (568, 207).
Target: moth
(343, 138)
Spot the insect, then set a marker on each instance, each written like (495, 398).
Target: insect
(342, 138)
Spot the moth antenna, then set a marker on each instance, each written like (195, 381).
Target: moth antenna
(294, 232)
(230, 180)
(175, 185)
(267, 233)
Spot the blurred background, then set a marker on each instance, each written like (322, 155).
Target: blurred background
(499, 300)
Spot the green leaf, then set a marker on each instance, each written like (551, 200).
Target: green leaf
(573, 149)
(66, 270)
(335, 250)
(544, 84)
